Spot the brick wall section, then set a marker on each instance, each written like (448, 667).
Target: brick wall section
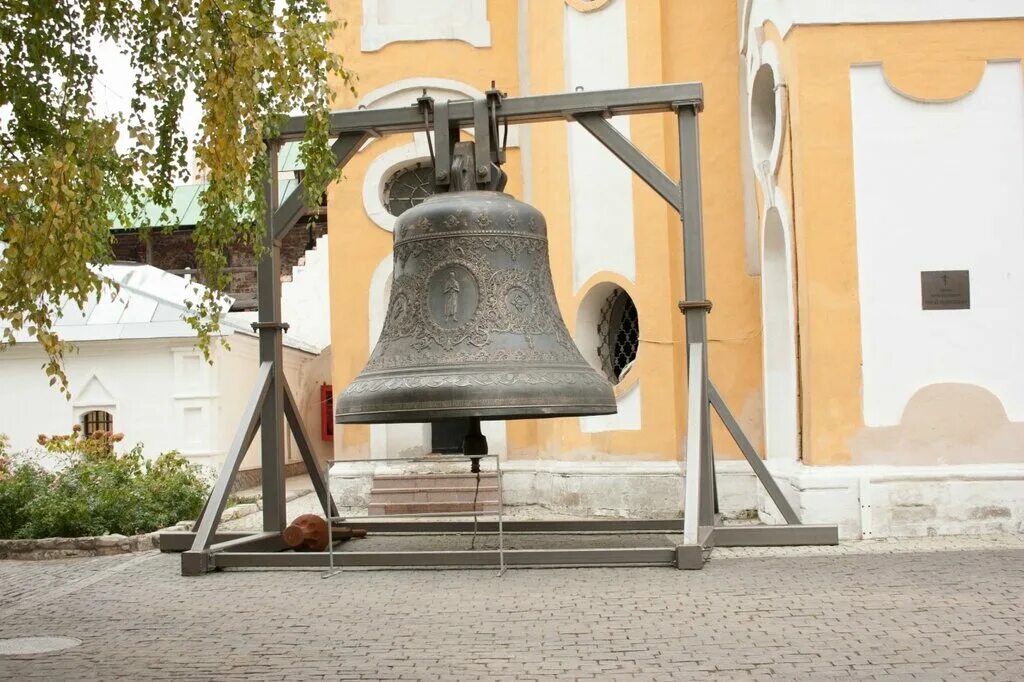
(176, 251)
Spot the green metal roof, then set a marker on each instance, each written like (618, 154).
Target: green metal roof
(184, 210)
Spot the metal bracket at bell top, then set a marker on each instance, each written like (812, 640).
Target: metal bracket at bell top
(471, 165)
(464, 177)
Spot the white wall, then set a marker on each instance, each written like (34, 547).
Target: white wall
(160, 392)
(939, 187)
(135, 378)
(237, 370)
(306, 299)
(600, 186)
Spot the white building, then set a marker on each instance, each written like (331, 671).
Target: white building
(138, 371)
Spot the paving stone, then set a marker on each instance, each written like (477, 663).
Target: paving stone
(882, 612)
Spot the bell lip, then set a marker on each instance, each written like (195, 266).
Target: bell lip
(487, 414)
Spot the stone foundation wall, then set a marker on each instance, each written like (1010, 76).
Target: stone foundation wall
(864, 501)
(251, 478)
(64, 548)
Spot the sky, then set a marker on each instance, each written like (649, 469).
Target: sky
(113, 91)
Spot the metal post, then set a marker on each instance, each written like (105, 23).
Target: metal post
(270, 331)
(330, 523)
(694, 286)
(694, 441)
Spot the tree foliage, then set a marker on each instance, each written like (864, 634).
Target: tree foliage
(65, 178)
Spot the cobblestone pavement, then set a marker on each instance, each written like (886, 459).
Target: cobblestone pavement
(861, 611)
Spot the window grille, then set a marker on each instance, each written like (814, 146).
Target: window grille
(619, 332)
(97, 420)
(408, 187)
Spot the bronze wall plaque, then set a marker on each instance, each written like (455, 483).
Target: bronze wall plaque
(945, 290)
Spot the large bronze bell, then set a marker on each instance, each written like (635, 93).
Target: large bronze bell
(473, 328)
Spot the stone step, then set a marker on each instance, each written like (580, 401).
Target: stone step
(385, 508)
(381, 482)
(446, 494)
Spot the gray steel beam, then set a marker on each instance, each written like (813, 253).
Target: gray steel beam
(531, 109)
(268, 279)
(482, 142)
(694, 284)
(179, 541)
(618, 556)
(294, 205)
(210, 518)
(256, 542)
(776, 536)
(609, 526)
(751, 456)
(313, 468)
(629, 154)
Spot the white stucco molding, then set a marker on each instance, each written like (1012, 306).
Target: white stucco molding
(392, 21)
(587, 5)
(778, 311)
(766, 123)
(380, 169)
(785, 14)
(93, 395)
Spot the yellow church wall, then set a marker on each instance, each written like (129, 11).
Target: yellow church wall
(937, 62)
(700, 43)
(667, 42)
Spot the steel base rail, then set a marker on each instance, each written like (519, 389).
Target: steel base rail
(274, 409)
(254, 549)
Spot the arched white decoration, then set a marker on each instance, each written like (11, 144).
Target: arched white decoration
(399, 94)
(588, 340)
(392, 21)
(626, 419)
(938, 187)
(778, 310)
(404, 92)
(380, 169)
(767, 116)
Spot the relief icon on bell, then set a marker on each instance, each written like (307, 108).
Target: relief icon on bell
(473, 328)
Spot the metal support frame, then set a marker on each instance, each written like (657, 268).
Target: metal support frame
(272, 404)
(337, 561)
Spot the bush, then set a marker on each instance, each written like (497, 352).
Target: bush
(97, 492)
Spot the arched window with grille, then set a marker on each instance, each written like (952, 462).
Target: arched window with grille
(619, 335)
(407, 187)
